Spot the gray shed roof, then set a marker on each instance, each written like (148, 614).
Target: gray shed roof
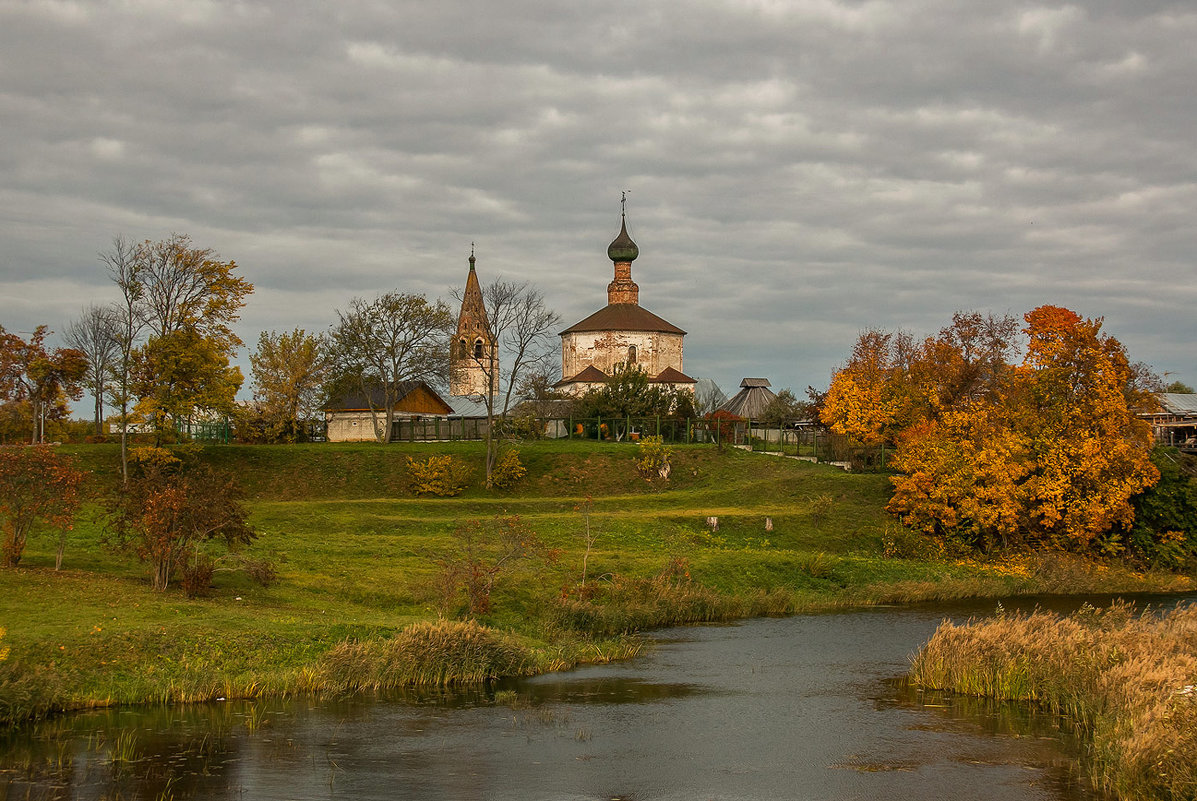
(1173, 403)
(750, 401)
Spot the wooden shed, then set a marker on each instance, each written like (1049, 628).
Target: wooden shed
(350, 418)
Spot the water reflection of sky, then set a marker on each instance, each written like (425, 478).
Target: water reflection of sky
(795, 708)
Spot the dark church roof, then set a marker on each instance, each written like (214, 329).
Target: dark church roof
(672, 376)
(623, 317)
(590, 375)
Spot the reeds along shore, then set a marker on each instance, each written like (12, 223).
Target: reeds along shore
(1129, 682)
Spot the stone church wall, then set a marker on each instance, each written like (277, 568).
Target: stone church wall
(655, 350)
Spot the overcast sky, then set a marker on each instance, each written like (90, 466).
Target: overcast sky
(798, 171)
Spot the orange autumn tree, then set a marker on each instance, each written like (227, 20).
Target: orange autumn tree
(1049, 452)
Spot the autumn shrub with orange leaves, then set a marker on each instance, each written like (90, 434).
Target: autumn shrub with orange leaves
(1048, 452)
(171, 507)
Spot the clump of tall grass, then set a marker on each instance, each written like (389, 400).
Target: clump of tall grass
(1128, 682)
(426, 654)
(29, 692)
(671, 598)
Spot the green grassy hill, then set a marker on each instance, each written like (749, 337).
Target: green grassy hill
(359, 557)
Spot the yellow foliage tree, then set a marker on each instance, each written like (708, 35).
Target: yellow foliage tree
(869, 398)
(1077, 400)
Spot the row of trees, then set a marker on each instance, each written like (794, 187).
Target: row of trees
(1049, 449)
(162, 355)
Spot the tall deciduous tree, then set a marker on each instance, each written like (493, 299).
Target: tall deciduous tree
(289, 373)
(394, 338)
(125, 270)
(97, 335)
(180, 372)
(38, 486)
(188, 287)
(891, 382)
(187, 300)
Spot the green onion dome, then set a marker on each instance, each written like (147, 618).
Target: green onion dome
(623, 248)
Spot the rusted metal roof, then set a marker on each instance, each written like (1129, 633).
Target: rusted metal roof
(623, 317)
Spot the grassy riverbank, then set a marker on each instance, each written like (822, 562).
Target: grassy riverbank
(359, 560)
(1128, 683)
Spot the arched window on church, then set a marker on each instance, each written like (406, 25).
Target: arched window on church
(478, 349)
(631, 355)
(462, 348)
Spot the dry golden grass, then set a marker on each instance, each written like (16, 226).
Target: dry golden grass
(1129, 682)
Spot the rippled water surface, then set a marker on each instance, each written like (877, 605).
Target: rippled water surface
(808, 707)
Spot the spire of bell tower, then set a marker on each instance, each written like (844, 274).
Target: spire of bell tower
(474, 357)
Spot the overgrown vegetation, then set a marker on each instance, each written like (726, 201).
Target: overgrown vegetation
(508, 469)
(433, 653)
(172, 506)
(1128, 683)
(652, 459)
(360, 557)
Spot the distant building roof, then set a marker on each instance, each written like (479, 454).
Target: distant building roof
(623, 317)
(1178, 404)
(466, 406)
(750, 402)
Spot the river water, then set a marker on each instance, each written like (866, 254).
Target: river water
(809, 707)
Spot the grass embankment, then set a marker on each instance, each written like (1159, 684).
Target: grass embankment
(358, 561)
(1129, 684)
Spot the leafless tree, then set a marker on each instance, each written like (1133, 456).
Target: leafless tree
(379, 344)
(522, 327)
(126, 272)
(97, 335)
